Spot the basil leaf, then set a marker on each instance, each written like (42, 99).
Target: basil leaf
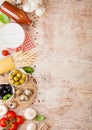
(4, 18)
(39, 118)
(7, 96)
(28, 69)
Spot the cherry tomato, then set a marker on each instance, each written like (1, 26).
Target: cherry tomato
(13, 126)
(11, 114)
(3, 122)
(19, 119)
(5, 53)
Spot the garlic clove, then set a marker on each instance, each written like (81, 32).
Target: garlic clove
(40, 11)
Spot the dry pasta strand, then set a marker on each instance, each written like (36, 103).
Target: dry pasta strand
(22, 59)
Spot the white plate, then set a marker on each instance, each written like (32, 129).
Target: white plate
(12, 35)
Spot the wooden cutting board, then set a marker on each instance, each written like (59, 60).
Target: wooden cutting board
(30, 84)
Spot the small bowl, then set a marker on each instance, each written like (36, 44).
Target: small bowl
(23, 72)
(13, 91)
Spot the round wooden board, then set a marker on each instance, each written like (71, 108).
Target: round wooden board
(31, 84)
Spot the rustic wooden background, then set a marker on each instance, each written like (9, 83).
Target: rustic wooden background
(63, 70)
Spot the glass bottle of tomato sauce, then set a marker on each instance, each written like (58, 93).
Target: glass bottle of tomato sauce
(15, 13)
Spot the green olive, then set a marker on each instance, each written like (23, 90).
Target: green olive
(19, 75)
(12, 81)
(23, 77)
(11, 76)
(22, 81)
(16, 78)
(14, 72)
(17, 83)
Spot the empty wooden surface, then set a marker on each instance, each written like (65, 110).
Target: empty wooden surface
(64, 66)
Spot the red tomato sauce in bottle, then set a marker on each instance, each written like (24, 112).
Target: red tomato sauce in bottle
(15, 13)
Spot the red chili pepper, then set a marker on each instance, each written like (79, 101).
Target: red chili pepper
(5, 53)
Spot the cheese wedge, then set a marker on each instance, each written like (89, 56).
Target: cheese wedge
(6, 65)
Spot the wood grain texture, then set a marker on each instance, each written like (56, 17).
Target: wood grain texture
(64, 65)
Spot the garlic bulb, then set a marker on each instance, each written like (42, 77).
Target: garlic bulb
(30, 6)
(40, 11)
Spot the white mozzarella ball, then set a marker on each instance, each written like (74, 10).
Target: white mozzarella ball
(31, 126)
(29, 114)
(26, 7)
(3, 110)
(40, 11)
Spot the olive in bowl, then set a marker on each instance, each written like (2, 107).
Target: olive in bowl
(17, 77)
(6, 91)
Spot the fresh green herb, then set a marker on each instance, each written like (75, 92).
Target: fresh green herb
(7, 96)
(4, 18)
(39, 118)
(28, 69)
